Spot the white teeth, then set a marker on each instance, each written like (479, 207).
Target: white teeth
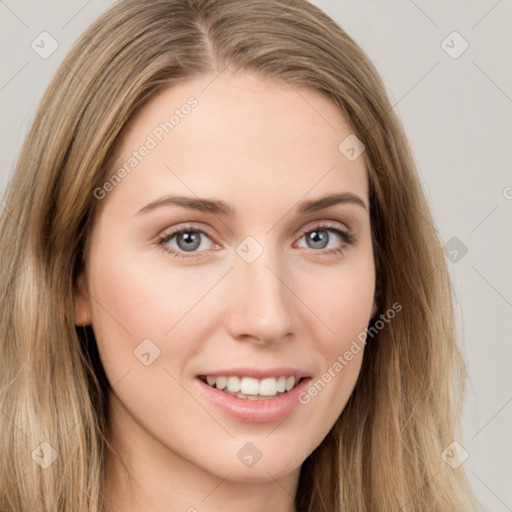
(250, 388)
(234, 384)
(221, 382)
(268, 387)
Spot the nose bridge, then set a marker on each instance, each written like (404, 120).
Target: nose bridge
(260, 305)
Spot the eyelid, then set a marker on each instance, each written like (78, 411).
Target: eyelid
(346, 234)
(187, 227)
(168, 234)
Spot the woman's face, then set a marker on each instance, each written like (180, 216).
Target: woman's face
(213, 265)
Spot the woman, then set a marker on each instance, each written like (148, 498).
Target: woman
(222, 285)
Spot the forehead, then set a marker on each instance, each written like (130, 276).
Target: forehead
(238, 136)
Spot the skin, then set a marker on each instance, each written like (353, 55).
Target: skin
(295, 305)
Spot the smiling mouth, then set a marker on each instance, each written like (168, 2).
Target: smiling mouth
(249, 388)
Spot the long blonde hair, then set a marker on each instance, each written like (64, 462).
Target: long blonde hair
(384, 452)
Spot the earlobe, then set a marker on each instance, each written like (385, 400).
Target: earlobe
(82, 306)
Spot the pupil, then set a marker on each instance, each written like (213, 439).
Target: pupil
(319, 239)
(189, 241)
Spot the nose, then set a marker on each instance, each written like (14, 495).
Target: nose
(260, 304)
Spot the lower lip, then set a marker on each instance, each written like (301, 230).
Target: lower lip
(255, 411)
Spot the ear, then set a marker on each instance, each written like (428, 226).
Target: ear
(82, 303)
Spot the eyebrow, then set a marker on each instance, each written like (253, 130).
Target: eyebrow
(218, 207)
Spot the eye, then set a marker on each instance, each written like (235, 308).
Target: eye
(327, 236)
(189, 239)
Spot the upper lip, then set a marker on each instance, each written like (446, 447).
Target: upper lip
(258, 373)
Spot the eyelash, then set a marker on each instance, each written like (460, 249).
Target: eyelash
(347, 236)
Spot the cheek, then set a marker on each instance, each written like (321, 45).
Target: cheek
(341, 298)
(149, 320)
(344, 307)
(342, 302)
(140, 297)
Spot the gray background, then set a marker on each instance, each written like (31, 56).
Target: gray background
(457, 114)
